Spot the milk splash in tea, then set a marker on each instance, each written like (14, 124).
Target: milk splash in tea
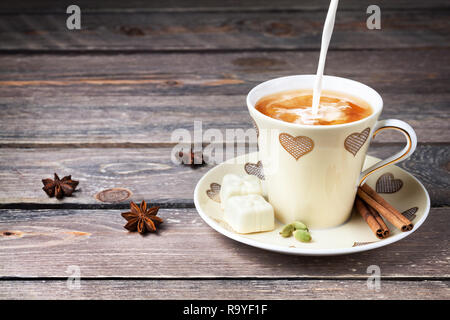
(295, 106)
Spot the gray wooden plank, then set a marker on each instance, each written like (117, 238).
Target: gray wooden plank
(208, 5)
(43, 243)
(224, 289)
(83, 96)
(116, 120)
(288, 30)
(150, 174)
(397, 71)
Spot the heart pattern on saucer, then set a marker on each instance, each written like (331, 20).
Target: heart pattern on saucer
(357, 244)
(356, 140)
(387, 184)
(214, 192)
(255, 169)
(296, 146)
(410, 214)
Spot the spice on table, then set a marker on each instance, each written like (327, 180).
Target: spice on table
(59, 188)
(373, 199)
(142, 219)
(191, 158)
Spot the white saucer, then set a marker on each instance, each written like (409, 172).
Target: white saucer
(352, 236)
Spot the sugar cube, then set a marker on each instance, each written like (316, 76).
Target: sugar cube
(249, 213)
(234, 185)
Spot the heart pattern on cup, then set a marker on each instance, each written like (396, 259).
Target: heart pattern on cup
(255, 169)
(296, 146)
(387, 184)
(214, 192)
(410, 214)
(356, 140)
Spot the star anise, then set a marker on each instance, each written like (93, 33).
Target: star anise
(142, 219)
(59, 187)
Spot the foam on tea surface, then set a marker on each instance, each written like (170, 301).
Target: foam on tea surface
(296, 107)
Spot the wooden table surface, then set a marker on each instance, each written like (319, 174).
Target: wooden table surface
(101, 104)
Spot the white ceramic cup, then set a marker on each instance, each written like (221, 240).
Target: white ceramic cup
(312, 172)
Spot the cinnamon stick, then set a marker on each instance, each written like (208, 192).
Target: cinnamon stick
(380, 220)
(374, 200)
(369, 218)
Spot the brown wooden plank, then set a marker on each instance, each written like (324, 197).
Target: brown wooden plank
(111, 120)
(254, 31)
(150, 174)
(224, 289)
(43, 243)
(397, 71)
(208, 5)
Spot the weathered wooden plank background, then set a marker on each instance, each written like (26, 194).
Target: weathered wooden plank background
(223, 289)
(45, 242)
(101, 104)
(150, 174)
(208, 5)
(254, 31)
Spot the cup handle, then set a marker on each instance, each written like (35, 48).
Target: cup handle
(411, 144)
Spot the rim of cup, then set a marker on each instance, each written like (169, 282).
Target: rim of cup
(375, 101)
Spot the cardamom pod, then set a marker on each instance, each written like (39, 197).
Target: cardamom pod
(287, 230)
(299, 225)
(302, 235)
